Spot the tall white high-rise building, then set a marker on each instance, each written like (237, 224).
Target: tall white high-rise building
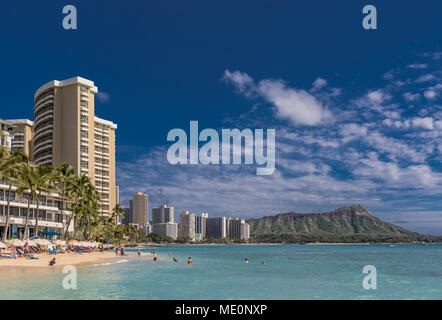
(187, 225)
(200, 225)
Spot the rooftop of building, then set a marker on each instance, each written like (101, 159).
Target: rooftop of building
(67, 82)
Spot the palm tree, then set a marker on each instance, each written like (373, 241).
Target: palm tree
(10, 166)
(76, 191)
(27, 181)
(65, 175)
(91, 204)
(117, 212)
(45, 179)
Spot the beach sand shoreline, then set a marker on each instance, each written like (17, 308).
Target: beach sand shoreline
(23, 267)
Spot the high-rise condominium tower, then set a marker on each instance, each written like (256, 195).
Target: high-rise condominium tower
(163, 214)
(200, 225)
(216, 227)
(5, 137)
(140, 205)
(67, 130)
(22, 135)
(187, 225)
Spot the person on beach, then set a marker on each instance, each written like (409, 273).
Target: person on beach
(122, 251)
(52, 262)
(189, 261)
(116, 251)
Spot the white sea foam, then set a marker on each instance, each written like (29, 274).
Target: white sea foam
(109, 263)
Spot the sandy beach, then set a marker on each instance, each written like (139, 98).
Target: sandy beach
(22, 266)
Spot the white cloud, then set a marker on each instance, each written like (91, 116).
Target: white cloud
(430, 94)
(352, 131)
(319, 83)
(417, 66)
(425, 78)
(242, 81)
(296, 105)
(103, 97)
(411, 96)
(425, 123)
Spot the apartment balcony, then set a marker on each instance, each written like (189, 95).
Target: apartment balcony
(47, 144)
(42, 222)
(43, 102)
(47, 159)
(23, 203)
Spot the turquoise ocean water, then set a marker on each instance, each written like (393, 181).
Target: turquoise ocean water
(218, 272)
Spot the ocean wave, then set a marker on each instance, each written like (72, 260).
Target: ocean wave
(109, 263)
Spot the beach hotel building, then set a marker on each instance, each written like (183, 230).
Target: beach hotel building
(5, 137)
(216, 227)
(163, 222)
(22, 136)
(200, 226)
(50, 215)
(67, 130)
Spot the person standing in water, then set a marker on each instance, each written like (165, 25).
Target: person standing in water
(189, 261)
(139, 252)
(246, 260)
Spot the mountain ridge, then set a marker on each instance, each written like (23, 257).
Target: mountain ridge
(352, 220)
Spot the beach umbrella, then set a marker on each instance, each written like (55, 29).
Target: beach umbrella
(42, 242)
(60, 242)
(3, 246)
(31, 243)
(15, 243)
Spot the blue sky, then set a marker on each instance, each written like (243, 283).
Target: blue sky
(357, 113)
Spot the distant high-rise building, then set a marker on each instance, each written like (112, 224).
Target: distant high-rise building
(162, 214)
(237, 228)
(5, 137)
(168, 229)
(140, 205)
(22, 134)
(67, 130)
(187, 225)
(245, 231)
(127, 216)
(200, 225)
(216, 228)
(117, 194)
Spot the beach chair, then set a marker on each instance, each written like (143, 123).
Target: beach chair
(20, 251)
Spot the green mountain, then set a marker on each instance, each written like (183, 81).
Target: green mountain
(344, 224)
